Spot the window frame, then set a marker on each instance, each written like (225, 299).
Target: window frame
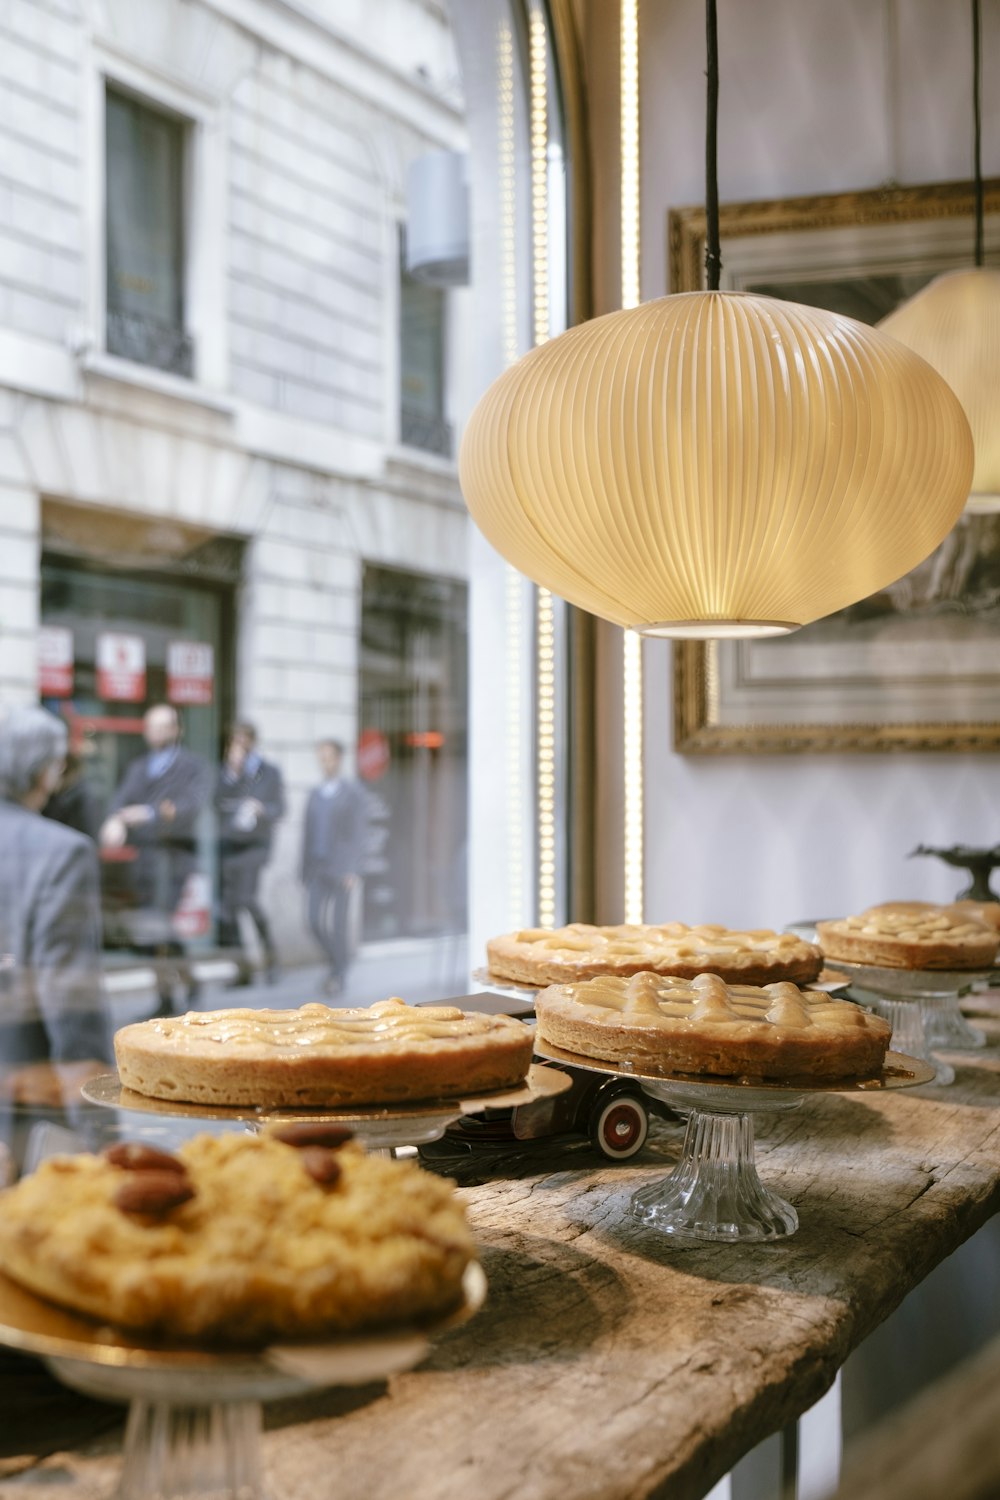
(204, 212)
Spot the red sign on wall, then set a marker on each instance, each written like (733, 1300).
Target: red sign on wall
(121, 668)
(373, 754)
(55, 662)
(190, 672)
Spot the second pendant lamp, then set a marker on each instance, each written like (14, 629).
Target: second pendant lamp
(954, 323)
(714, 463)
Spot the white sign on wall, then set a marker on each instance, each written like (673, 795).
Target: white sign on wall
(121, 668)
(190, 672)
(55, 662)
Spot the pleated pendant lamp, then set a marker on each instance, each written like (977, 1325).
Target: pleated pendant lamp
(954, 323)
(715, 463)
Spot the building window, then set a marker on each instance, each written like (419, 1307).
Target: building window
(145, 235)
(421, 364)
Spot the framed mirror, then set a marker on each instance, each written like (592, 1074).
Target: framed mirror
(916, 666)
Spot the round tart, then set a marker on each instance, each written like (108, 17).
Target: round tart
(258, 1239)
(705, 1026)
(388, 1053)
(539, 955)
(910, 935)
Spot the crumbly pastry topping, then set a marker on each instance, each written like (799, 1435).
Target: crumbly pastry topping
(671, 947)
(387, 1053)
(268, 1239)
(706, 1025)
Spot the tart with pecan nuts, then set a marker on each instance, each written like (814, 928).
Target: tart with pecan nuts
(238, 1238)
(541, 955)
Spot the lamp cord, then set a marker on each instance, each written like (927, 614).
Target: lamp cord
(977, 123)
(713, 257)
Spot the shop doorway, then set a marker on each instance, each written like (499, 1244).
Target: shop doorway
(120, 643)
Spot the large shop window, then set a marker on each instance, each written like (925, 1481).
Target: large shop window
(146, 151)
(413, 752)
(113, 646)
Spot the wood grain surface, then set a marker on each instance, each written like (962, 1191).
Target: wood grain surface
(609, 1364)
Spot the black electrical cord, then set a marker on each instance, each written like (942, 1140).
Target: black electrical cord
(713, 256)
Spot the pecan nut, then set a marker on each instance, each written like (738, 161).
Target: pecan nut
(321, 1164)
(153, 1192)
(312, 1133)
(135, 1156)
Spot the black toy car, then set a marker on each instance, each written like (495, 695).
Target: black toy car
(613, 1112)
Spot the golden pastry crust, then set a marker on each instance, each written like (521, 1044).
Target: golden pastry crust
(388, 1053)
(910, 935)
(987, 912)
(260, 1251)
(704, 1026)
(539, 955)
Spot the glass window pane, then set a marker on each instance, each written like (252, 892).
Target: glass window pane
(145, 254)
(422, 363)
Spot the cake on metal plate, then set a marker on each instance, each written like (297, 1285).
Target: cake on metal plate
(388, 1053)
(706, 1026)
(539, 955)
(910, 935)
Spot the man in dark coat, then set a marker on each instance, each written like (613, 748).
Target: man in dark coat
(156, 809)
(249, 800)
(333, 856)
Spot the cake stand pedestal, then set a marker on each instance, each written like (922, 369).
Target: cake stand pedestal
(714, 1193)
(193, 1429)
(921, 1005)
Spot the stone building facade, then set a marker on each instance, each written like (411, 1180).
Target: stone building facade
(279, 457)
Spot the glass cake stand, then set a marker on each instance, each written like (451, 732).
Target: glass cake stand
(922, 1007)
(194, 1416)
(714, 1192)
(380, 1128)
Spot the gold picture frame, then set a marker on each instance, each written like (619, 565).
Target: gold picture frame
(909, 669)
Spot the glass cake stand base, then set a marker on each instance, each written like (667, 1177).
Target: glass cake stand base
(194, 1422)
(945, 1026)
(714, 1192)
(922, 1007)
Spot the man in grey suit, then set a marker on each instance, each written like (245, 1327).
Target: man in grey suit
(249, 800)
(333, 856)
(51, 1006)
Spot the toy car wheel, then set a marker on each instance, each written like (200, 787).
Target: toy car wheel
(618, 1126)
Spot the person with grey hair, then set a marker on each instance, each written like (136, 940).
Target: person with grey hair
(51, 1008)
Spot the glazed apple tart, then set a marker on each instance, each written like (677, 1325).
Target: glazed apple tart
(706, 1026)
(388, 1053)
(540, 955)
(910, 935)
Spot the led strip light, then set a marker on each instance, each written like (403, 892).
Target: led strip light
(545, 673)
(632, 778)
(514, 584)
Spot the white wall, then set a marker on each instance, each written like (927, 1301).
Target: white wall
(814, 97)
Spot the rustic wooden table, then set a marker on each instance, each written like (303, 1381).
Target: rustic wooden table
(608, 1363)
